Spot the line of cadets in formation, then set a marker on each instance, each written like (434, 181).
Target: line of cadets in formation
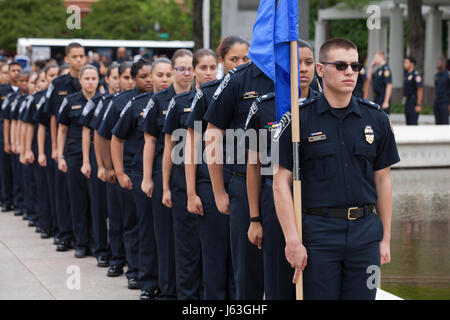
(78, 158)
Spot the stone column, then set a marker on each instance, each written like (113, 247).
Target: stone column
(303, 19)
(319, 36)
(448, 39)
(433, 44)
(396, 46)
(377, 41)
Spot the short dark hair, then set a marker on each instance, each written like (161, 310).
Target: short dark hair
(25, 73)
(335, 43)
(201, 53)
(124, 66)
(14, 63)
(226, 44)
(411, 59)
(112, 66)
(138, 66)
(180, 53)
(72, 45)
(305, 44)
(160, 60)
(62, 68)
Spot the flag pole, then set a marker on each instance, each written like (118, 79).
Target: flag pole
(295, 114)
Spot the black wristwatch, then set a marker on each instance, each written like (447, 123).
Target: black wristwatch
(255, 219)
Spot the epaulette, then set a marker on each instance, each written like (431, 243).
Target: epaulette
(177, 96)
(161, 92)
(141, 95)
(369, 103)
(265, 97)
(70, 96)
(209, 84)
(240, 68)
(308, 102)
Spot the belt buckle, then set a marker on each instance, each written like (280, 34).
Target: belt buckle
(349, 213)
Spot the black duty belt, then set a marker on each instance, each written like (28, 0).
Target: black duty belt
(352, 213)
(73, 140)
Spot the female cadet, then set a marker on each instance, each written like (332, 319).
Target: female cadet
(265, 230)
(69, 143)
(44, 147)
(128, 130)
(129, 210)
(115, 251)
(228, 109)
(218, 274)
(122, 240)
(45, 222)
(181, 286)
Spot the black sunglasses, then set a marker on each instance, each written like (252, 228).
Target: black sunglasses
(342, 66)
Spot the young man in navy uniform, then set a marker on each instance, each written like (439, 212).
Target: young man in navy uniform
(441, 104)
(347, 147)
(56, 92)
(412, 91)
(381, 80)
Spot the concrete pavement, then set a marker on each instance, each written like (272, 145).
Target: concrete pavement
(31, 269)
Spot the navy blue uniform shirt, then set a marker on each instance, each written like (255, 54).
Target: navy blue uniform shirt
(6, 104)
(128, 128)
(155, 114)
(177, 116)
(70, 112)
(60, 87)
(15, 106)
(380, 78)
(231, 103)
(112, 113)
(100, 109)
(89, 109)
(263, 116)
(442, 85)
(411, 82)
(338, 157)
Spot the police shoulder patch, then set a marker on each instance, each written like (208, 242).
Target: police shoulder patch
(170, 107)
(253, 110)
(306, 102)
(387, 73)
(222, 86)
(369, 103)
(49, 91)
(148, 107)
(282, 125)
(41, 102)
(5, 103)
(98, 108)
(88, 107)
(418, 79)
(127, 106)
(107, 110)
(197, 97)
(63, 105)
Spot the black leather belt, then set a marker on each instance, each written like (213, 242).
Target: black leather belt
(72, 140)
(352, 213)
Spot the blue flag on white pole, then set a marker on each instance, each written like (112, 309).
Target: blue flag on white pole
(276, 25)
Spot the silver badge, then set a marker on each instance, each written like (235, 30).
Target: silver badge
(368, 132)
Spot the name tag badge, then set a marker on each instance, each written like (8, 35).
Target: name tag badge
(142, 113)
(250, 95)
(76, 107)
(317, 136)
(164, 112)
(187, 110)
(62, 93)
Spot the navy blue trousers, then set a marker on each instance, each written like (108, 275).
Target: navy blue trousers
(148, 257)
(187, 241)
(277, 271)
(29, 193)
(214, 231)
(115, 230)
(165, 243)
(440, 108)
(43, 197)
(17, 183)
(130, 231)
(6, 172)
(62, 205)
(412, 117)
(247, 259)
(341, 254)
(50, 179)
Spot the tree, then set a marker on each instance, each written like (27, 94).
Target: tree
(416, 32)
(31, 18)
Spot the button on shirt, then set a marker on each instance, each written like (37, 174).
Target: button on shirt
(128, 128)
(411, 82)
(380, 78)
(231, 103)
(338, 157)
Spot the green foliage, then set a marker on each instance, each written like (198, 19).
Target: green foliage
(31, 19)
(136, 19)
(399, 108)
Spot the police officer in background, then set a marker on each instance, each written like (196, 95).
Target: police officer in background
(381, 80)
(441, 104)
(346, 150)
(412, 91)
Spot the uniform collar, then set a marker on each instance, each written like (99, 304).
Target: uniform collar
(324, 106)
(256, 72)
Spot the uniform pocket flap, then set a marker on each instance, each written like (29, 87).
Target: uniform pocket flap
(365, 150)
(319, 151)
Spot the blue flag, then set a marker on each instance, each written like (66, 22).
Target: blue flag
(276, 25)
